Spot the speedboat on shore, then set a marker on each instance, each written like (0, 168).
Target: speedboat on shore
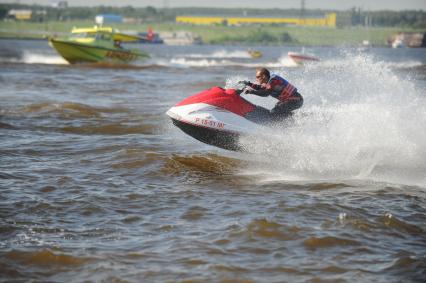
(97, 44)
(301, 58)
(220, 117)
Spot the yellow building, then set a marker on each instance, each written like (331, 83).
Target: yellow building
(22, 15)
(328, 21)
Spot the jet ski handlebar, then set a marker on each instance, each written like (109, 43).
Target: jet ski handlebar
(243, 88)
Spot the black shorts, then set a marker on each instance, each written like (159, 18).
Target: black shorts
(284, 108)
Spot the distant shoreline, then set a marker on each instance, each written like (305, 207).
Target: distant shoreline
(244, 35)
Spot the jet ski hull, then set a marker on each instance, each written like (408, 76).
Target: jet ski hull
(216, 117)
(223, 139)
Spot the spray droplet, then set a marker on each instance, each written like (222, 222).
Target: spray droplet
(388, 215)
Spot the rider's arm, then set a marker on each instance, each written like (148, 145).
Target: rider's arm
(259, 92)
(253, 85)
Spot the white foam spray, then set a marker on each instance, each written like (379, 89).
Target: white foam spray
(38, 58)
(222, 53)
(184, 62)
(360, 121)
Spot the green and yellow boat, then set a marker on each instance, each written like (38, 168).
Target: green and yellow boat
(97, 44)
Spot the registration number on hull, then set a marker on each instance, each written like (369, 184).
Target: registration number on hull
(210, 123)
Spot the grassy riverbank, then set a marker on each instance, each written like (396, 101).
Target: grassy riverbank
(289, 35)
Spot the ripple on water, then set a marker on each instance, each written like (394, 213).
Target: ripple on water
(399, 225)
(194, 213)
(207, 163)
(134, 159)
(121, 128)
(45, 258)
(262, 228)
(198, 168)
(7, 126)
(328, 242)
(69, 110)
(328, 186)
(85, 119)
(413, 268)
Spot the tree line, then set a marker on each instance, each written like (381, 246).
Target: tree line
(408, 18)
(352, 17)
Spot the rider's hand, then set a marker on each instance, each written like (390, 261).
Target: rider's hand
(244, 82)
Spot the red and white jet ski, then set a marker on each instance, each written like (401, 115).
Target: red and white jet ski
(219, 117)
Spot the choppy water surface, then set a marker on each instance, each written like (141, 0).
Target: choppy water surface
(96, 184)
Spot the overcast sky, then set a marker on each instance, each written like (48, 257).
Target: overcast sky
(284, 4)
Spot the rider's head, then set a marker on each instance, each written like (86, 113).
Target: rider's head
(262, 75)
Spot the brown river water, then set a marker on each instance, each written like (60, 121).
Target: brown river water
(97, 185)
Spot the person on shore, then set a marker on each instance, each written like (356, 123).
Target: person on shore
(117, 43)
(289, 98)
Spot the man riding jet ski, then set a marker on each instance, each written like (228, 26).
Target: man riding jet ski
(289, 98)
(220, 117)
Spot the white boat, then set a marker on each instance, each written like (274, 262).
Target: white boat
(301, 58)
(180, 38)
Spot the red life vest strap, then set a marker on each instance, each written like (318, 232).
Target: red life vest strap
(287, 92)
